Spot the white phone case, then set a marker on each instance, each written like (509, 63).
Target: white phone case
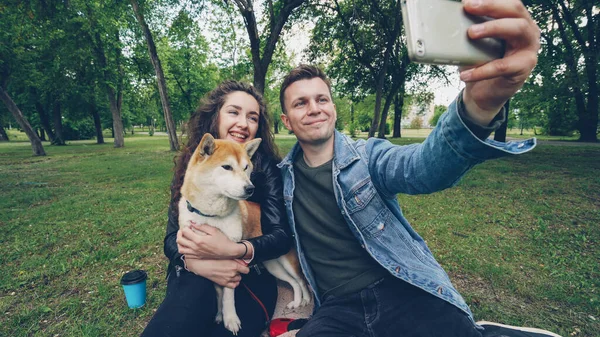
(436, 32)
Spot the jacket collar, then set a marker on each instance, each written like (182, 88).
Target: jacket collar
(343, 152)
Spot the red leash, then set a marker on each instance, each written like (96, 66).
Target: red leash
(258, 301)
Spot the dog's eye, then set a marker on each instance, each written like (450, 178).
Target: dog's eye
(245, 168)
(227, 167)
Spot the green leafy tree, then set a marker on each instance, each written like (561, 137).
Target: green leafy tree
(358, 38)
(160, 76)
(361, 43)
(569, 60)
(18, 36)
(263, 45)
(103, 30)
(437, 113)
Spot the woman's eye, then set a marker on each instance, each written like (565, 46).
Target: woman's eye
(227, 167)
(233, 112)
(254, 119)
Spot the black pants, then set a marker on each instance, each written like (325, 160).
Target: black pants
(190, 307)
(388, 308)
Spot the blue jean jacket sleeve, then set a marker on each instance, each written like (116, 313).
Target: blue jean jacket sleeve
(439, 162)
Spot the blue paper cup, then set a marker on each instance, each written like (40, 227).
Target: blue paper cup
(134, 285)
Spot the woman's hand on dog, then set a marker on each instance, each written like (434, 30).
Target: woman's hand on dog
(225, 273)
(207, 242)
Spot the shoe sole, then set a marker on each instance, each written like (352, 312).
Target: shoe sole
(540, 331)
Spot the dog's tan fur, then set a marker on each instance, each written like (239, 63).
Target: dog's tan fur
(215, 183)
(252, 229)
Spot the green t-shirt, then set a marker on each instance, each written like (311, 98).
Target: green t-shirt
(339, 264)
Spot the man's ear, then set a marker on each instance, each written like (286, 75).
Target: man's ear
(207, 145)
(286, 122)
(252, 146)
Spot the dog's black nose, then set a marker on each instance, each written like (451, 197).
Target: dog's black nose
(249, 189)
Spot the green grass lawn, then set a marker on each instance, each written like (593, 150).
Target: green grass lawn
(519, 236)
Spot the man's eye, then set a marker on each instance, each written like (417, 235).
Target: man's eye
(227, 167)
(299, 104)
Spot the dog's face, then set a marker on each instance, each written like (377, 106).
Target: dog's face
(223, 167)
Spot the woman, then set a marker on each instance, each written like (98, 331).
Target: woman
(234, 111)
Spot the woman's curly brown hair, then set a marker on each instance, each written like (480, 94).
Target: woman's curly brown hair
(206, 119)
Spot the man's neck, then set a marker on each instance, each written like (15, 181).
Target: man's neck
(317, 154)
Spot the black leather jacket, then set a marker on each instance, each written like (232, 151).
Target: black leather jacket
(276, 239)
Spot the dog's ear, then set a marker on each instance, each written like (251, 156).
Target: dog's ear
(207, 145)
(252, 146)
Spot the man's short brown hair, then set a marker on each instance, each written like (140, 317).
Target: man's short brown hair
(301, 72)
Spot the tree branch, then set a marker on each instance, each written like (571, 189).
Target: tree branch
(357, 48)
(571, 22)
(276, 29)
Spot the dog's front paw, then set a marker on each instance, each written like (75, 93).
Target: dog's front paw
(233, 324)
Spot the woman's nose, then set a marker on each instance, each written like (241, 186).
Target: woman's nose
(242, 121)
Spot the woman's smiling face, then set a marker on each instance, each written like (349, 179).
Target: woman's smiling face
(238, 117)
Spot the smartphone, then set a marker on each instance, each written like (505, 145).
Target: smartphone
(436, 33)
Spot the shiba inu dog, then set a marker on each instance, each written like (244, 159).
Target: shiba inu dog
(216, 184)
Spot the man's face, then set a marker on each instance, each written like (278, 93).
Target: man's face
(310, 113)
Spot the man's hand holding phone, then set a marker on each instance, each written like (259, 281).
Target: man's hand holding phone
(490, 85)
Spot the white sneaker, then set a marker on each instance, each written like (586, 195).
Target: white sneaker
(500, 330)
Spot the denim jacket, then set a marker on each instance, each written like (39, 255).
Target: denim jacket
(367, 175)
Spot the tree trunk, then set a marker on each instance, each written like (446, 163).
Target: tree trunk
(276, 125)
(3, 135)
(381, 76)
(398, 104)
(42, 134)
(500, 133)
(113, 99)
(97, 123)
(384, 115)
(386, 107)
(275, 24)
(587, 113)
(117, 127)
(523, 125)
(45, 121)
(160, 78)
(36, 143)
(57, 121)
(378, 97)
(588, 119)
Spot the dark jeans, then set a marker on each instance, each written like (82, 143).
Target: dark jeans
(190, 307)
(390, 307)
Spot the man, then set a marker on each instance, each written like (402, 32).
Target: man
(371, 273)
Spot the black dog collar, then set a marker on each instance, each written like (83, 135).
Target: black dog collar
(195, 210)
